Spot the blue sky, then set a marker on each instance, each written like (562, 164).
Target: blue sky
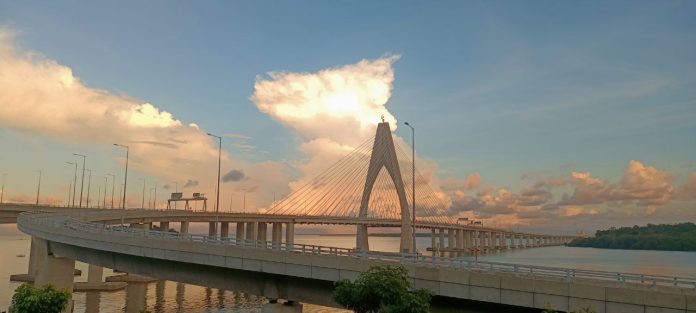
(505, 89)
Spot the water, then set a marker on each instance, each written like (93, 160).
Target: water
(169, 297)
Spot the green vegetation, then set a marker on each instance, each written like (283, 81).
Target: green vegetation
(46, 299)
(677, 237)
(382, 289)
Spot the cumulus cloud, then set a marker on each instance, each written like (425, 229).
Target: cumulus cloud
(42, 97)
(233, 176)
(644, 185)
(641, 190)
(342, 104)
(331, 111)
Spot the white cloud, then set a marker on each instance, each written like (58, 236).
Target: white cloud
(41, 97)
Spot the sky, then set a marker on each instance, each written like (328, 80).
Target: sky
(554, 116)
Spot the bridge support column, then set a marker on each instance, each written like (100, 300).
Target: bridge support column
(250, 237)
(239, 232)
(224, 230)
(184, 227)
(290, 236)
(451, 241)
(460, 240)
(36, 255)
(441, 233)
(164, 226)
(468, 243)
(95, 274)
(212, 229)
(432, 240)
(51, 269)
(361, 240)
(491, 241)
(262, 232)
(277, 235)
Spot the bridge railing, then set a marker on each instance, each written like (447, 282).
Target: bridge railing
(567, 274)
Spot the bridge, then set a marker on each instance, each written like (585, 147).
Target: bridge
(367, 188)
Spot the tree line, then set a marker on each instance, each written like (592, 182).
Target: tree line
(667, 237)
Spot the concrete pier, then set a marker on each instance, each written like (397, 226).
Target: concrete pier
(212, 229)
(290, 235)
(224, 230)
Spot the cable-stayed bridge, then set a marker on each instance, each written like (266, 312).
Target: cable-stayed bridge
(370, 187)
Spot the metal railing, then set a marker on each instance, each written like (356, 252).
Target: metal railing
(522, 270)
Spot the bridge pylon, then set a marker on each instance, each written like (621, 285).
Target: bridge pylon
(384, 156)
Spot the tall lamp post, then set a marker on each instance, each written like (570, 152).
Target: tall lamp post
(67, 203)
(38, 189)
(82, 181)
(106, 184)
(113, 183)
(142, 206)
(89, 184)
(125, 177)
(413, 183)
(217, 201)
(2, 193)
(75, 182)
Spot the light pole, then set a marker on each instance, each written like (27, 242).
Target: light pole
(2, 193)
(125, 177)
(98, 196)
(149, 198)
(142, 205)
(75, 183)
(38, 189)
(154, 201)
(217, 201)
(413, 182)
(82, 181)
(113, 184)
(106, 184)
(67, 203)
(89, 184)
(120, 191)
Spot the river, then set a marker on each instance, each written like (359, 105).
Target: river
(170, 297)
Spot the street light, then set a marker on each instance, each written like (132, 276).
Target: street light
(217, 201)
(82, 182)
(89, 184)
(106, 184)
(113, 183)
(142, 206)
(2, 193)
(413, 183)
(67, 203)
(125, 177)
(75, 182)
(38, 189)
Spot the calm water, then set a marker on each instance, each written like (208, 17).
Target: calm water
(166, 296)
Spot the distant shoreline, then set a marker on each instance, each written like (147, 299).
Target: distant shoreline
(677, 237)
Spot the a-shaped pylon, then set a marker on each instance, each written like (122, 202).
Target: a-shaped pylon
(384, 155)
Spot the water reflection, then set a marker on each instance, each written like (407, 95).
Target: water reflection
(135, 297)
(92, 302)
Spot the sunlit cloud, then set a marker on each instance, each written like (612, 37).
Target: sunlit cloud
(45, 98)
